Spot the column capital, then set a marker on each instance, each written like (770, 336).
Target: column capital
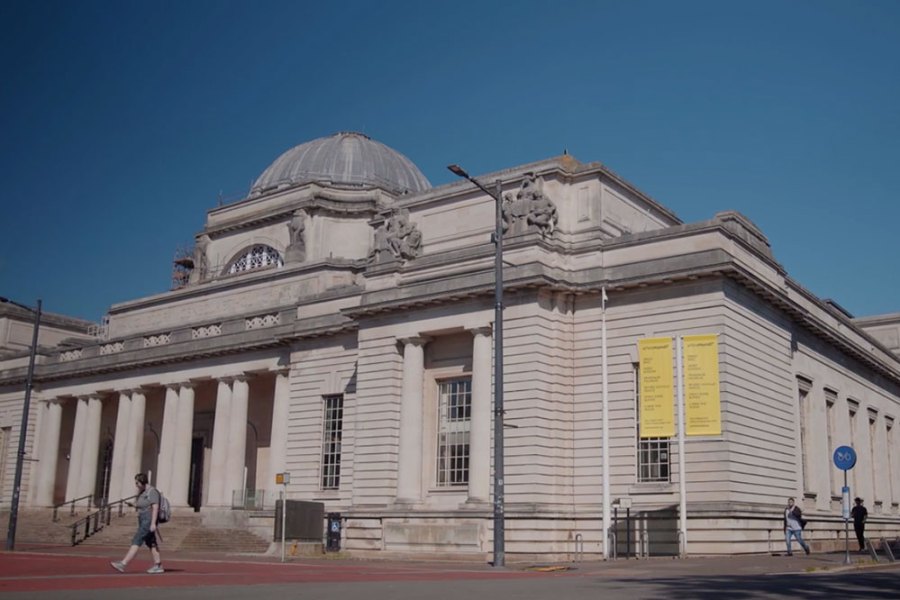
(91, 396)
(481, 330)
(415, 340)
(281, 371)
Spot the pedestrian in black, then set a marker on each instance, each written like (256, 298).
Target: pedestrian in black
(860, 515)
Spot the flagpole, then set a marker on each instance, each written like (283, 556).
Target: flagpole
(605, 426)
(682, 474)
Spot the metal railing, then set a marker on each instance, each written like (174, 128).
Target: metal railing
(252, 499)
(85, 527)
(73, 503)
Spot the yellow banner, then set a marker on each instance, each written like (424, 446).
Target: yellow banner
(703, 415)
(657, 388)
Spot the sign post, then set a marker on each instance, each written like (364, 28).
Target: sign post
(283, 479)
(845, 459)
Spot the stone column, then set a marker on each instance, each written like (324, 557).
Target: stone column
(219, 456)
(409, 472)
(120, 448)
(33, 475)
(237, 437)
(76, 450)
(480, 420)
(91, 451)
(51, 424)
(135, 448)
(278, 445)
(184, 435)
(165, 462)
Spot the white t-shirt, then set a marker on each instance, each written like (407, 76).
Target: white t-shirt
(792, 523)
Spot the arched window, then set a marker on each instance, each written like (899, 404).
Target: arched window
(256, 257)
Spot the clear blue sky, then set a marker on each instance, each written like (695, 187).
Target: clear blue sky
(121, 122)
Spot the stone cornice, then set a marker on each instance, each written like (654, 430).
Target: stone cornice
(72, 324)
(223, 284)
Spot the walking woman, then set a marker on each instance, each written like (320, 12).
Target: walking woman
(793, 526)
(147, 505)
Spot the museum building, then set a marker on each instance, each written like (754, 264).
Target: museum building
(337, 324)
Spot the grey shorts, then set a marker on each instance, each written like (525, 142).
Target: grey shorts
(144, 535)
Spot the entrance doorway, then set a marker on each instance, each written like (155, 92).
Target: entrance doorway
(195, 488)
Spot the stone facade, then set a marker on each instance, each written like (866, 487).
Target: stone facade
(342, 332)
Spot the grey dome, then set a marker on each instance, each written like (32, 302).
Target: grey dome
(344, 159)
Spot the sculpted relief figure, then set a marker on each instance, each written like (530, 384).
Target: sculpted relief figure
(201, 261)
(296, 251)
(396, 238)
(530, 205)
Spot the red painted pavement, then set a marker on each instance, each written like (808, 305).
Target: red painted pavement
(31, 572)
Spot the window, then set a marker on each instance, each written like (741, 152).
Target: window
(255, 258)
(830, 400)
(803, 387)
(5, 438)
(454, 417)
(653, 453)
(873, 440)
(331, 441)
(852, 408)
(889, 440)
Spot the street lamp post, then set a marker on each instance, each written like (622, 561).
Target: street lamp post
(23, 429)
(499, 524)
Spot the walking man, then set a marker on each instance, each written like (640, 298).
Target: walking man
(793, 526)
(860, 514)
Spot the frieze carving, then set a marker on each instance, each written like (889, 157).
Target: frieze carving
(396, 238)
(529, 207)
(296, 251)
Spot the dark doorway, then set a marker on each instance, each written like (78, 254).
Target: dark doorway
(195, 489)
(101, 493)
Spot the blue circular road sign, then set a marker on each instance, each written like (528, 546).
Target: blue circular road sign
(844, 458)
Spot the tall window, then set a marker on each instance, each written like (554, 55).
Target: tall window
(803, 387)
(652, 453)
(830, 400)
(852, 409)
(255, 258)
(5, 435)
(331, 441)
(873, 439)
(454, 418)
(891, 461)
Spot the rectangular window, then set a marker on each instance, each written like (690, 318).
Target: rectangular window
(332, 432)
(803, 387)
(852, 409)
(454, 419)
(873, 453)
(5, 438)
(830, 400)
(652, 453)
(891, 461)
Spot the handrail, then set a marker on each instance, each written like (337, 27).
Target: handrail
(73, 502)
(95, 521)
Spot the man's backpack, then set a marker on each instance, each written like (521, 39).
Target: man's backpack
(165, 509)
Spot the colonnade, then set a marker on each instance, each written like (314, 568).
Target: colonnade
(173, 464)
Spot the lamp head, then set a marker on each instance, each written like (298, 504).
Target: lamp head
(458, 171)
